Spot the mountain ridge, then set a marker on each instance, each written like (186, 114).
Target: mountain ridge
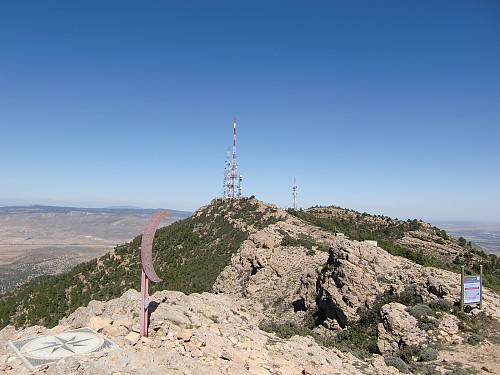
(300, 277)
(40, 208)
(219, 228)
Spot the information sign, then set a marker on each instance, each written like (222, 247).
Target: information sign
(472, 289)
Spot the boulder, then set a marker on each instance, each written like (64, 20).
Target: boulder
(398, 329)
(97, 323)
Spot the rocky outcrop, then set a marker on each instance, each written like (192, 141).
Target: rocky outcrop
(445, 250)
(290, 280)
(399, 329)
(281, 278)
(356, 273)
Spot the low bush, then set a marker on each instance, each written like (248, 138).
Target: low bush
(458, 371)
(426, 323)
(475, 339)
(303, 240)
(284, 330)
(409, 353)
(363, 333)
(398, 363)
(440, 304)
(428, 354)
(424, 369)
(419, 310)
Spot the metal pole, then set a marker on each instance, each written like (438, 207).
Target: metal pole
(294, 194)
(480, 287)
(462, 293)
(144, 304)
(234, 188)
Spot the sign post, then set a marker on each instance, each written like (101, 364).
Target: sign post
(147, 270)
(471, 289)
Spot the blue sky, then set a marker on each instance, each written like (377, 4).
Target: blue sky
(389, 107)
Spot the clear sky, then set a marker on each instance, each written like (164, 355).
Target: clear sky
(388, 107)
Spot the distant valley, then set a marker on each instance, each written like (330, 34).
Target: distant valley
(484, 234)
(47, 240)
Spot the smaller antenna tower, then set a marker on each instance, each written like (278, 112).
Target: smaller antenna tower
(294, 194)
(227, 173)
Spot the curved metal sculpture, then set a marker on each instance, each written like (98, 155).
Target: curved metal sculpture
(147, 244)
(148, 272)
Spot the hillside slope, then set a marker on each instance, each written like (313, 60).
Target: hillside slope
(188, 254)
(48, 240)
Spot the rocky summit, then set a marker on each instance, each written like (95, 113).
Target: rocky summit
(195, 334)
(294, 298)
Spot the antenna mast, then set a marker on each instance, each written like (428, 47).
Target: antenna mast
(227, 172)
(232, 182)
(233, 188)
(294, 194)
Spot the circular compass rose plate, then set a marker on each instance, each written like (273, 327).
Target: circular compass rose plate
(42, 350)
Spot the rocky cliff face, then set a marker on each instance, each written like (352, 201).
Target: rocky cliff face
(281, 278)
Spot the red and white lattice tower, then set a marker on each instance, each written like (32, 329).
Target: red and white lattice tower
(232, 181)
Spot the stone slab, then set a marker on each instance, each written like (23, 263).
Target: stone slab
(46, 349)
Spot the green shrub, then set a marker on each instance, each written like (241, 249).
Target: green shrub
(408, 353)
(284, 330)
(458, 371)
(428, 354)
(425, 323)
(424, 369)
(475, 339)
(398, 363)
(440, 305)
(419, 310)
(304, 240)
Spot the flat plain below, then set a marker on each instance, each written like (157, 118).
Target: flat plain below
(46, 240)
(484, 234)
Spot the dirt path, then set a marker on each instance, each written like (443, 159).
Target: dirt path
(484, 357)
